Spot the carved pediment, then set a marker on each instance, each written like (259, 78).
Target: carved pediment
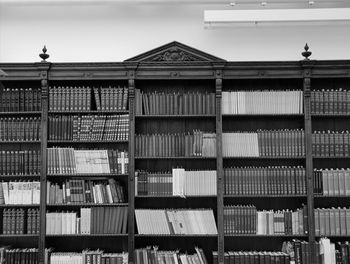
(174, 52)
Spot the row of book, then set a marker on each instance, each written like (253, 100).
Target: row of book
(20, 99)
(88, 257)
(94, 220)
(198, 143)
(85, 191)
(287, 142)
(330, 101)
(262, 102)
(20, 192)
(20, 129)
(331, 143)
(111, 98)
(178, 183)
(332, 221)
(155, 256)
(253, 257)
(20, 221)
(65, 161)
(274, 180)
(245, 219)
(332, 253)
(20, 162)
(176, 221)
(88, 98)
(19, 255)
(161, 103)
(332, 182)
(89, 127)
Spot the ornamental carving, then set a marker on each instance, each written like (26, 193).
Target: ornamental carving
(173, 55)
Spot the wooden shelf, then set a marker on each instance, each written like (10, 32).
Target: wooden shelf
(258, 196)
(92, 175)
(329, 157)
(20, 142)
(175, 196)
(174, 116)
(331, 196)
(92, 112)
(263, 236)
(267, 157)
(21, 113)
(175, 235)
(152, 158)
(86, 141)
(264, 115)
(88, 205)
(18, 205)
(20, 236)
(330, 115)
(88, 235)
(20, 176)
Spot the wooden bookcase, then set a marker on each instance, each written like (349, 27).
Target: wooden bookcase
(175, 67)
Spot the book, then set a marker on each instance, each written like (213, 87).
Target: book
(166, 103)
(246, 219)
(264, 143)
(176, 145)
(85, 191)
(257, 103)
(89, 127)
(20, 221)
(178, 183)
(87, 221)
(177, 221)
(67, 161)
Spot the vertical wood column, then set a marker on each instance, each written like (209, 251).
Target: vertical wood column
(43, 68)
(131, 181)
(308, 152)
(219, 165)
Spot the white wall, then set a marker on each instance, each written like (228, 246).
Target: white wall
(115, 32)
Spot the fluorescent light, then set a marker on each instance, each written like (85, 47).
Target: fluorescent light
(2, 73)
(217, 17)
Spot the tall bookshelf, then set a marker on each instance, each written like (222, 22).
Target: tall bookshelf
(176, 69)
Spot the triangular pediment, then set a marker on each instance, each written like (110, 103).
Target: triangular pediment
(174, 52)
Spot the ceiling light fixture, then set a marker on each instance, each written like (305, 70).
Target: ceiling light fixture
(2, 73)
(275, 16)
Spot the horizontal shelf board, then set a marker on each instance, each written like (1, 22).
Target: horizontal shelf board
(330, 157)
(345, 236)
(86, 141)
(20, 113)
(255, 235)
(198, 157)
(87, 175)
(94, 112)
(88, 235)
(87, 204)
(268, 157)
(173, 235)
(175, 196)
(265, 196)
(20, 142)
(19, 205)
(331, 196)
(330, 115)
(20, 176)
(174, 116)
(19, 235)
(263, 115)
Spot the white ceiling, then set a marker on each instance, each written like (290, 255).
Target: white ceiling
(238, 4)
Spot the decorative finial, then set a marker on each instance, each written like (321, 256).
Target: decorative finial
(306, 53)
(43, 55)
